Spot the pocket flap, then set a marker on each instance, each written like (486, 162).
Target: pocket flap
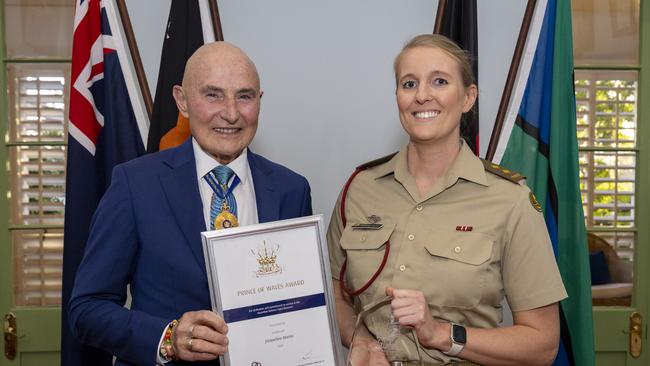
(356, 239)
(465, 247)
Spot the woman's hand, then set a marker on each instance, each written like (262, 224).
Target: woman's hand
(367, 352)
(200, 336)
(410, 308)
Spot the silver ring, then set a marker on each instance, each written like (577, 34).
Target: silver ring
(192, 331)
(189, 343)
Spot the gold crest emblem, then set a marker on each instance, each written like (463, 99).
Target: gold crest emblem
(533, 201)
(267, 259)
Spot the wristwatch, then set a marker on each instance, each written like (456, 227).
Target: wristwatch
(458, 338)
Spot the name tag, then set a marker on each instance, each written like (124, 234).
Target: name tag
(367, 226)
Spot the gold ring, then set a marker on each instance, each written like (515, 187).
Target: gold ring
(189, 343)
(192, 331)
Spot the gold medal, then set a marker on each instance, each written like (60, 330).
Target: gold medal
(225, 219)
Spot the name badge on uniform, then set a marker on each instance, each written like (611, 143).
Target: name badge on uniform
(367, 226)
(373, 224)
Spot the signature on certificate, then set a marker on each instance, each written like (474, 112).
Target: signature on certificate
(310, 359)
(307, 356)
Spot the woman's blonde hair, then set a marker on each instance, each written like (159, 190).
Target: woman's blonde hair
(438, 41)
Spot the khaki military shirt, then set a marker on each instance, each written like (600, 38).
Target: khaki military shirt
(473, 239)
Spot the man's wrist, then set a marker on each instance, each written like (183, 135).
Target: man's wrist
(166, 350)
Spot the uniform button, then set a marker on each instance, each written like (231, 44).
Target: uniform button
(418, 207)
(457, 249)
(411, 237)
(362, 238)
(402, 268)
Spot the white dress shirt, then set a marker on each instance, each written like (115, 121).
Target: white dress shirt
(244, 192)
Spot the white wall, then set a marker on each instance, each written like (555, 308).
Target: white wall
(498, 24)
(149, 20)
(326, 71)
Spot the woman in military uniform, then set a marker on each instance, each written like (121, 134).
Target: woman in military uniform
(427, 242)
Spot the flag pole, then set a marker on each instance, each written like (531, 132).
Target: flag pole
(135, 56)
(442, 4)
(510, 81)
(216, 21)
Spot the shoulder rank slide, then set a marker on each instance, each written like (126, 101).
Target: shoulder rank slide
(505, 173)
(534, 202)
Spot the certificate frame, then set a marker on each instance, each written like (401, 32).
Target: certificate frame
(242, 290)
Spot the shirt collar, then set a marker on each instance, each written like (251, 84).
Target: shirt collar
(205, 163)
(466, 166)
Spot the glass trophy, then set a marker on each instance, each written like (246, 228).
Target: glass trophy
(389, 342)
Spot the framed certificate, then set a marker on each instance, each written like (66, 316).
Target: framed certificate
(272, 285)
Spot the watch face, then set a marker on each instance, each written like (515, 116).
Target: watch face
(459, 334)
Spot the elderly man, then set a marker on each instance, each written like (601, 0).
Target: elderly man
(146, 232)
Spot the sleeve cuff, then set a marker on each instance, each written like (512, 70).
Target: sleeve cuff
(159, 359)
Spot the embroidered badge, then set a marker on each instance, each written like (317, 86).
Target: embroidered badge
(373, 219)
(372, 225)
(533, 201)
(464, 228)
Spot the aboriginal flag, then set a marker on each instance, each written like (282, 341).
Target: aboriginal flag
(183, 36)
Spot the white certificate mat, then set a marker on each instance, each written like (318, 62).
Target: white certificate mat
(272, 285)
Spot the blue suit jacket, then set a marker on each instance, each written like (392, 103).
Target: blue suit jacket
(146, 234)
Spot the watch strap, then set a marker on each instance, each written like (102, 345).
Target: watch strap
(456, 347)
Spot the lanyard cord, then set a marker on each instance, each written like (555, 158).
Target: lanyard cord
(372, 279)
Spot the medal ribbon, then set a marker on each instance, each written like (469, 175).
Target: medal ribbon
(224, 194)
(217, 188)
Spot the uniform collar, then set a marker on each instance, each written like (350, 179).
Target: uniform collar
(390, 166)
(205, 163)
(466, 166)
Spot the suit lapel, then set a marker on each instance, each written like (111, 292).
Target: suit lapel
(182, 192)
(267, 196)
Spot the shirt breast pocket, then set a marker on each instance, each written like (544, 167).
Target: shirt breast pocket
(365, 251)
(459, 268)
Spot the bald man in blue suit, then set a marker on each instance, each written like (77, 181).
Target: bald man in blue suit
(146, 232)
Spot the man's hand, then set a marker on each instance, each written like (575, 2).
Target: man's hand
(367, 352)
(200, 336)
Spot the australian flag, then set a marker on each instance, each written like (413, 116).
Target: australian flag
(103, 132)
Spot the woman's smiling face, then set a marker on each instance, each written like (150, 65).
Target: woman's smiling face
(431, 96)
